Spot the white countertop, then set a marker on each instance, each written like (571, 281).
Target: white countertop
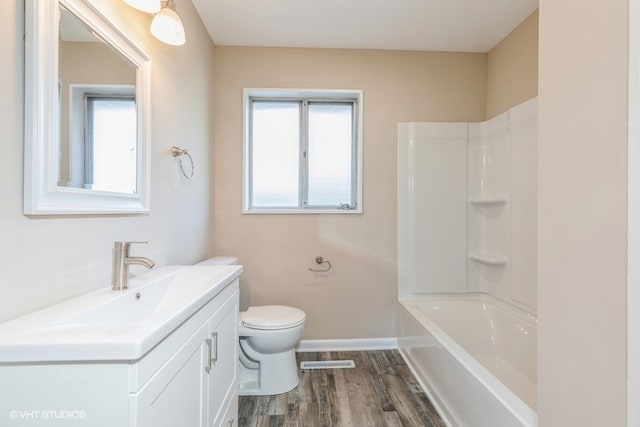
(109, 325)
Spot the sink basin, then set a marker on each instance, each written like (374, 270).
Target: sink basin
(123, 312)
(114, 325)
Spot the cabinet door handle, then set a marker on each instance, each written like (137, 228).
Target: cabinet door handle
(209, 343)
(214, 335)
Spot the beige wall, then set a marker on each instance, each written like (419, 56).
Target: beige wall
(512, 68)
(357, 299)
(49, 259)
(582, 213)
(93, 62)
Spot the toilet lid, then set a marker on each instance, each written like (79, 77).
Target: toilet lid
(272, 317)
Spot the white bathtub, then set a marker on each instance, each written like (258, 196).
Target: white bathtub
(474, 355)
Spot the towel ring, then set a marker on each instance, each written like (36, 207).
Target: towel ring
(181, 153)
(320, 261)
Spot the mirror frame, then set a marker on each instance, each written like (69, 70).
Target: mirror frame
(42, 195)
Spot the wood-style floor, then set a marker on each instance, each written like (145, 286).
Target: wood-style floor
(379, 391)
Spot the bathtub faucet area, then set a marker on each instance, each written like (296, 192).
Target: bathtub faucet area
(121, 263)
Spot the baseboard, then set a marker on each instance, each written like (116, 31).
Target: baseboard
(359, 344)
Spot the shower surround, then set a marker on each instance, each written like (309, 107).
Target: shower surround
(467, 236)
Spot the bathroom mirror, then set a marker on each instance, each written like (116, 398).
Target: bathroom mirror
(86, 113)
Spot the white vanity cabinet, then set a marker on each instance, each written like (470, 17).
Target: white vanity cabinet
(198, 384)
(222, 382)
(188, 379)
(176, 394)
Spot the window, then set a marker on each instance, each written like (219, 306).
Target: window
(302, 151)
(102, 156)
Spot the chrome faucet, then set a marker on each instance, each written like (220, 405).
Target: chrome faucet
(121, 263)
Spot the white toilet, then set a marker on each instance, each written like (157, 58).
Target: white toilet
(268, 336)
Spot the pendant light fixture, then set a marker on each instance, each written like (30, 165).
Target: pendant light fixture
(166, 25)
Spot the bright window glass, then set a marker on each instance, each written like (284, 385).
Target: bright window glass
(111, 150)
(275, 154)
(330, 154)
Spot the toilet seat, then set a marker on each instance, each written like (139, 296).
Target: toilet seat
(269, 317)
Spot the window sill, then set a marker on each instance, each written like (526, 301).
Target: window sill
(302, 211)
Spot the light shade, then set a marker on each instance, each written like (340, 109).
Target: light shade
(167, 27)
(149, 6)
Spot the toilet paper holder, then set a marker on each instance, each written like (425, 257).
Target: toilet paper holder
(320, 261)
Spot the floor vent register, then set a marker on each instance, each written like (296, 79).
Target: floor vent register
(327, 364)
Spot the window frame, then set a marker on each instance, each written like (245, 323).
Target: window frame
(79, 127)
(305, 97)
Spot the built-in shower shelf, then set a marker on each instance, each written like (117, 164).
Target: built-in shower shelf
(489, 258)
(488, 200)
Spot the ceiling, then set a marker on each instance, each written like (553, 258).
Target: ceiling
(428, 25)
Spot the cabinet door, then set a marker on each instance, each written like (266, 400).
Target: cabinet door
(224, 370)
(175, 394)
(230, 417)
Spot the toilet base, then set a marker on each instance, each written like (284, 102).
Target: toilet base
(276, 373)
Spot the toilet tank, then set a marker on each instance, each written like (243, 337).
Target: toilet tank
(219, 260)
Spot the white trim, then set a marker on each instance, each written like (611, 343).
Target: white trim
(42, 195)
(300, 211)
(356, 344)
(633, 222)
